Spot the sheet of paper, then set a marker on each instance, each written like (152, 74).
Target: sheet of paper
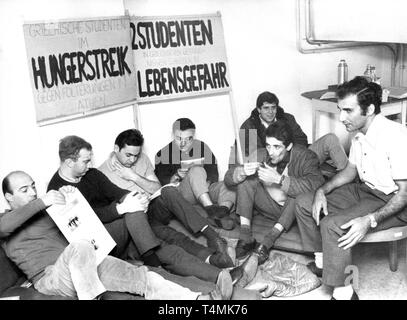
(158, 192)
(187, 164)
(77, 221)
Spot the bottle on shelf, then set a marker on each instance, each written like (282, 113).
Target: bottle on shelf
(342, 72)
(368, 72)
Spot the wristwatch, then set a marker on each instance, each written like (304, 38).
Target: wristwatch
(373, 222)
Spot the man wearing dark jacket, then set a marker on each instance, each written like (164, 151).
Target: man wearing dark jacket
(253, 133)
(269, 184)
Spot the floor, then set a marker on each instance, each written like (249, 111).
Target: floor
(375, 280)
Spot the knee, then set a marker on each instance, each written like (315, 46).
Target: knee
(330, 223)
(82, 249)
(303, 204)
(168, 192)
(197, 171)
(330, 139)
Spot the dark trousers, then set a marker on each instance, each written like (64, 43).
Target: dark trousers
(253, 198)
(344, 204)
(174, 258)
(134, 230)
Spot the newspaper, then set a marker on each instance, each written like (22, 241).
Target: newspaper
(77, 221)
(158, 192)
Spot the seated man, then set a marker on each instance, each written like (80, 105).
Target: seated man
(284, 170)
(34, 243)
(129, 168)
(198, 184)
(129, 228)
(351, 209)
(253, 134)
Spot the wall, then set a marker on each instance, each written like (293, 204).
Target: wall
(260, 38)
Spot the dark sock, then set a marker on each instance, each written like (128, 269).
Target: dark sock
(271, 237)
(150, 259)
(245, 233)
(209, 233)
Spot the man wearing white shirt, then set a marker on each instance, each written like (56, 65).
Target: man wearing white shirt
(348, 209)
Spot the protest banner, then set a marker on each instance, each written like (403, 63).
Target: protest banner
(80, 67)
(179, 56)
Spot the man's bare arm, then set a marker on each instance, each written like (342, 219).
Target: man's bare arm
(397, 203)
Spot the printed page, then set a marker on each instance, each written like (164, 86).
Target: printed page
(77, 221)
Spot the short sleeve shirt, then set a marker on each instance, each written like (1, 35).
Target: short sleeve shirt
(380, 156)
(143, 167)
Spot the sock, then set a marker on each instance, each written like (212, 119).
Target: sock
(209, 233)
(207, 260)
(318, 259)
(271, 237)
(245, 233)
(150, 259)
(343, 293)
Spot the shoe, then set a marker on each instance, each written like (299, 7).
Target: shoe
(249, 268)
(226, 223)
(220, 260)
(236, 274)
(263, 253)
(244, 248)
(216, 211)
(218, 244)
(224, 287)
(314, 269)
(353, 297)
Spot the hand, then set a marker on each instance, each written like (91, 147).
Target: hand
(175, 178)
(358, 229)
(122, 171)
(53, 197)
(250, 168)
(134, 201)
(269, 175)
(318, 204)
(182, 173)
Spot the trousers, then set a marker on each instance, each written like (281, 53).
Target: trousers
(253, 198)
(344, 204)
(195, 184)
(75, 274)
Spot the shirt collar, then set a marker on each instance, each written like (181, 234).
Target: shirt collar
(373, 131)
(264, 123)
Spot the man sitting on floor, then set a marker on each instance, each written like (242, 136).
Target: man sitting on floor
(198, 184)
(284, 170)
(129, 168)
(129, 228)
(34, 243)
(344, 209)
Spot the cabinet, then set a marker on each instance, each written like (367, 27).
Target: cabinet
(391, 107)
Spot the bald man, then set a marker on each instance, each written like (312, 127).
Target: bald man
(35, 244)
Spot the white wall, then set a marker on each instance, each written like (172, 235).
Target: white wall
(260, 40)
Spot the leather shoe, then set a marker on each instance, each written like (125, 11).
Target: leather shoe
(243, 248)
(353, 297)
(236, 274)
(263, 253)
(224, 287)
(220, 260)
(249, 268)
(314, 269)
(219, 244)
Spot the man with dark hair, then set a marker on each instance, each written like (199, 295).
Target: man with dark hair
(269, 183)
(34, 243)
(129, 168)
(112, 205)
(197, 183)
(346, 210)
(268, 110)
